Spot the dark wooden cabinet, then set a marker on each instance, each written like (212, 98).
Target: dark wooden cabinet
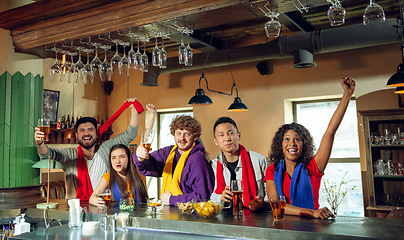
(385, 188)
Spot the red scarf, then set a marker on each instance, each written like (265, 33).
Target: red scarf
(248, 177)
(84, 188)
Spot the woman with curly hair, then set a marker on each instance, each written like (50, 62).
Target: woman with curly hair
(296, 171)
(186, 172)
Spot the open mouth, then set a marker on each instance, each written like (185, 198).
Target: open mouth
(292, 151)
(87, 138)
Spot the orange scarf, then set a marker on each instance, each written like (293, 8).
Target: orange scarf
(84, 187)
(248, 177)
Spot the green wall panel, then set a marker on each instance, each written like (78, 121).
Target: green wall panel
(20, 107)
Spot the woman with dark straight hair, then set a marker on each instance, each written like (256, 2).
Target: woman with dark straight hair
(123, 178)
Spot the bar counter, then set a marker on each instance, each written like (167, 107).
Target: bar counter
(171, 224)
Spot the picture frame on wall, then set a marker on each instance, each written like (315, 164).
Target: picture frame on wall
(401, 100)
(50, 105)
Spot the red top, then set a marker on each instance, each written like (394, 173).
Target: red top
(315, 179)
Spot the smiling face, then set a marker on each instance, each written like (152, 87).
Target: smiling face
(292, 146)
(86, 135)
(119, 161)
(227, 138)
(184, 139)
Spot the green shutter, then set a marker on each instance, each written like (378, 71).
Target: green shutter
(21, 105)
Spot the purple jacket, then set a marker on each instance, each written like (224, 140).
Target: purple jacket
(197, 180)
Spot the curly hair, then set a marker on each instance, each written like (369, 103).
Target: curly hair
(189, 123)
(276, 155)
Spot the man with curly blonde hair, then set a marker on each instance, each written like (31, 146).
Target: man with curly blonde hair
(186, 173)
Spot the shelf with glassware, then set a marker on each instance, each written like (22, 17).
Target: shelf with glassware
(68, 136)
(384, 140)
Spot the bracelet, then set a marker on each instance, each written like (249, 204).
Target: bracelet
(40, 144)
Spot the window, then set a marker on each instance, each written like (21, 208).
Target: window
(163, 139)
(315, 116)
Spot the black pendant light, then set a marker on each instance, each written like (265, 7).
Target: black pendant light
(200, 98)
(397, 80)
(237, 106)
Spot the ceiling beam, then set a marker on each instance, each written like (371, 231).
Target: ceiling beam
(110, 17)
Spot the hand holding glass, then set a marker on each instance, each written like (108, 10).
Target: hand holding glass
(147, 138)
(44, 126)
(236, 187)
(106, 196)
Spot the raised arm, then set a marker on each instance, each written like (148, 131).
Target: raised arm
(324, 151)
(134, 116)
(151, 108)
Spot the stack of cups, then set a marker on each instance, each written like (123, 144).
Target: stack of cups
(75, 221)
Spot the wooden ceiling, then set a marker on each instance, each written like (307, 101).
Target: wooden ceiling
(236, 23)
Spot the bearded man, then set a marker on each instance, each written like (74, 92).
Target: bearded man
(84, 165)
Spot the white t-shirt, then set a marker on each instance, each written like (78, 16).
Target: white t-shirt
(96, 169)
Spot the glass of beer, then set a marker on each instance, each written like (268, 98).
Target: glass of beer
(278, 204)
(44, 126)
(237, 187)
(106, 196)
(147, 138)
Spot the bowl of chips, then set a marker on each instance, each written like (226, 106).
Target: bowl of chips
(185, 208)
(154, 205)
(208, 209)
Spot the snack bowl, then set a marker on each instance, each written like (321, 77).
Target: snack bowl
(185, 208)
(208, 208)
(154, 205)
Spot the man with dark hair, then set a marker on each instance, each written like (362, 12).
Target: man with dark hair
(234, 162)
(84, 165)
(186, 173)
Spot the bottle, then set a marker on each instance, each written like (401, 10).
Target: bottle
(58, 125)
(68, 122)
(98, 123)
(21, 226)
(72, 122)
(62, 124)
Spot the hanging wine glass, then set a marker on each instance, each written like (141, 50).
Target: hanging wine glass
(131, 55)
(54, 71)
(79, 65)
(336, 13)
(72, 71)
(373, 13)
(156, 55)
(272, 27)
(115, 60)
(124, 64)
(188, 55)
(181, 52)
(88, 74)
(145, 59)
(65, 69)
(138, 61)
(96, 62)
(105, 68)
(163, 56)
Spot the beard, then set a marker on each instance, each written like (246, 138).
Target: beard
(87, 145)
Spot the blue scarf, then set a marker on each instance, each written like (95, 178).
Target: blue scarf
(117, 194)
(301, 192)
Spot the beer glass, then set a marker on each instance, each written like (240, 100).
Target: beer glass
(278, 204)
(44, 126)
(236, 187)
(147, 138)
(106, 196)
